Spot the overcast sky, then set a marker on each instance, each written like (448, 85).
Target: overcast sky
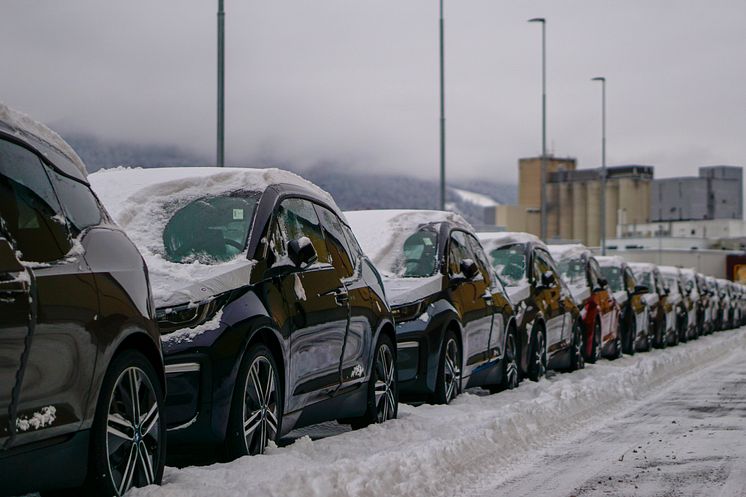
(355, 81)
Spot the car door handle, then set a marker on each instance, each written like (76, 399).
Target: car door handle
(340, 295)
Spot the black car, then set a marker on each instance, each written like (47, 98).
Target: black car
(271, 317)
(81, 371)
(454, 324)
(550, 329)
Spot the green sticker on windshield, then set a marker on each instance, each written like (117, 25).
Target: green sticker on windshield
(237, 214)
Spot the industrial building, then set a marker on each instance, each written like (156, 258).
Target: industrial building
(717, 193)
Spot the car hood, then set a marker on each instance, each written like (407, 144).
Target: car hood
(401, 291)
(177, 284)
(519, 292)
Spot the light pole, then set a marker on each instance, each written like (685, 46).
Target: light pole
(221, 84)
(543, 124)
(442, 114)
(603, 162)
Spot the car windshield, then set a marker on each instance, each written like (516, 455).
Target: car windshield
(645, 278)
(673, 283)
(613, 276)
(418, 257)
(510, 263)
(572, 271)
(210, 230)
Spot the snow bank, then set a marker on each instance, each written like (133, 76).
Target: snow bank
(437, 450)
(142, 202)
(25, 125)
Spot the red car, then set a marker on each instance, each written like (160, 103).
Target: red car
(598, 309)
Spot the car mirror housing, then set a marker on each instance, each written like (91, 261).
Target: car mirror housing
(547, 279)
(9, 262)
(603, 282)
(641, 290)
(469, 269)
(302, 252)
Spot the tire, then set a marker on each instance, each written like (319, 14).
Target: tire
(597, 346)
(256, 409)
(537, 366)
(448, 384)
(618, 343)
(383, 394)
(128, 439)
(577, 360)
(510, 376)
(630, 337)
(661, 340)
(683, 328)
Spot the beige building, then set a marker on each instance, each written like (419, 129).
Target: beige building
(574, 200)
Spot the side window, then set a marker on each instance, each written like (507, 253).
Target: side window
(81, 206)
(295, 218)
(629, 280)
(595, 273)
(481, 259)
(355, 250)
(544, 264)
(336, 242)
(458, 251)
(29, 206)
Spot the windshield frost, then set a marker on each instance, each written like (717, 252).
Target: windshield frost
(210, 230)
(572, 271)
(613, 276)
(509, 263)
(418, 257)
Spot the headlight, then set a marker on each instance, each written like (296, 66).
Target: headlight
(171, 319)
(408, 312)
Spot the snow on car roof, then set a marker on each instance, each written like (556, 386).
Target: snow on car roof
(610, 260)
(569, 251)
(642, 266)
(669, 270)
(33, 131)
(379, 231)
(492, 240)
(136, 198)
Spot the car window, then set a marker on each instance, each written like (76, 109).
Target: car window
(458, 251)
(79, 203)
(543, 264)
(594, 273)
(613, 276)
(629, 280)
(573, 271)
(29, 206)
(481, 259)
(336, 242)
(509, 263)
(352, 244)
(296, 218)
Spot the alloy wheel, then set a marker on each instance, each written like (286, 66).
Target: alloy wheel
(511, 367)
(578, 348)
(452, 370)
(260, 406)
(539, 355)
(133, 435)
(385, 383)
(598, 342)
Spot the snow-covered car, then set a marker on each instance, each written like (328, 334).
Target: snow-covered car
(634, 318)
(726, 303)
(716, 305)
(81, 371)
(693, 296)
(550, 330)
(599, 311)
(707, 310)
(736, 303)
(271, 317)
(661, 313)
(454, 323)
(677, 297)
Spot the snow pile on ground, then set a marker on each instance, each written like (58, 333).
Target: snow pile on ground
(437, 450)
(142, 202)
(475, 198)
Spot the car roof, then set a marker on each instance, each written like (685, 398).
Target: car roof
(610, 260)
(493, 240)
(670, 270)
(569, 251)
(642, 266)
(49, 144)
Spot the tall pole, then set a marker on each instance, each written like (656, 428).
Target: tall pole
(543, 125)
(442, 113)
(603, 163)
(221, 84)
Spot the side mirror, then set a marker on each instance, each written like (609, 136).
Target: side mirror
(9, 262)
(302, 252)
(547, 279)
(667, 291)
(641, 290)
(469, 269)
(603, 282)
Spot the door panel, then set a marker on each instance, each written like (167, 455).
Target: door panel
(550, 301)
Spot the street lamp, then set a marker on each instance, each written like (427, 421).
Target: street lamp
(221, 84)
(543, 124)
(442, 114)
(603, 162)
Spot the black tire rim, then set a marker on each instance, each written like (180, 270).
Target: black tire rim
(511, 365)
(260, 406)
(451, 370)
(133, 431)
(597, 342)
(539, 355)
(579, 359)
(385, 383)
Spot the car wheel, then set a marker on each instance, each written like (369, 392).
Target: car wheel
(128, 435)
(383, 395)
(596, 347)
(618, 342)
(510, 378)
(538, 360)
(448, 385)
(577, 361)
(256, 410)
(631, 336)
(683, 330)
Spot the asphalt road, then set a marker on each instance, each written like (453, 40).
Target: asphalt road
(687, 440)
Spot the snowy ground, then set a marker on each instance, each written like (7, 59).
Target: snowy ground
(670, 422)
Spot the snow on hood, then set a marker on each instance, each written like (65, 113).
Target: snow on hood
(26, 126)
(382, 232)
(400, 291)
(136, 198)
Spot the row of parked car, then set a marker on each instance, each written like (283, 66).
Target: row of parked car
(219, 309)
